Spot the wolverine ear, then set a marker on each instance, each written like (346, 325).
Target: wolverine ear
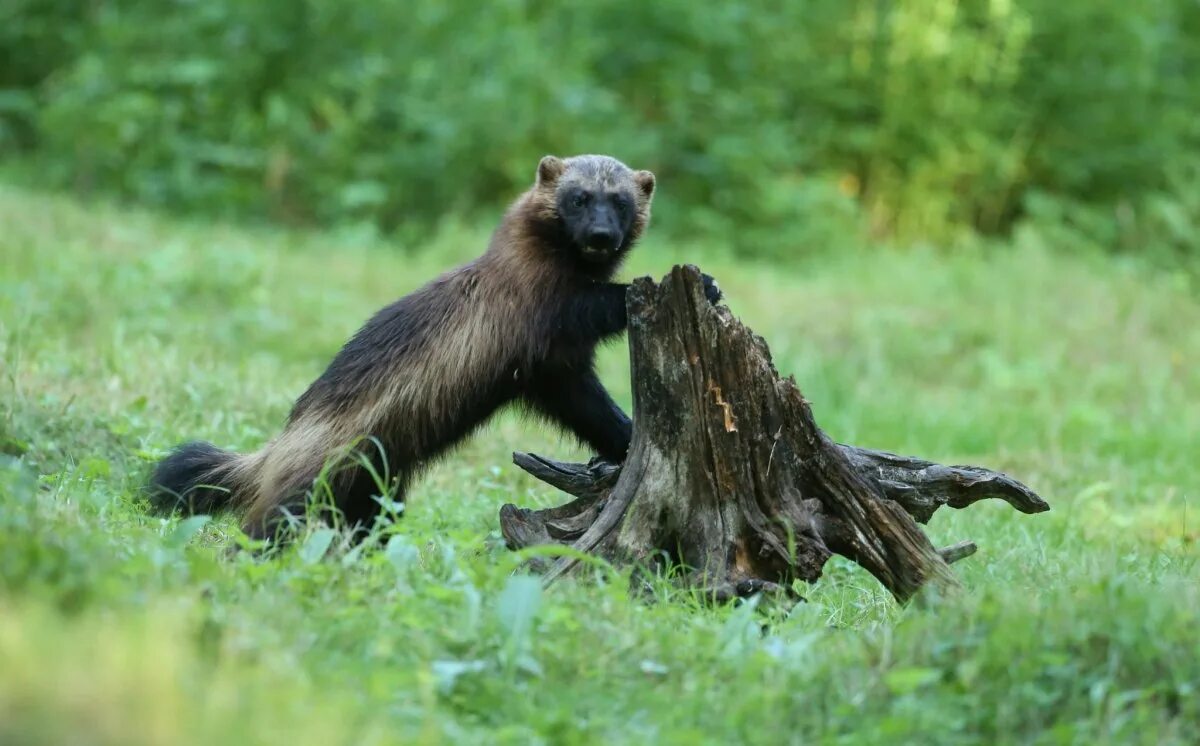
(645, 182)
(549, 169)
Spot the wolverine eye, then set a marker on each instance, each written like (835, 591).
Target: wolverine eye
(580, 199)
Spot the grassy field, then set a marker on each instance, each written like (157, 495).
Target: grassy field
(123, 333)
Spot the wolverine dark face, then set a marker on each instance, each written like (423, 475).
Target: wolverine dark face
(602, 205)
(597, 219)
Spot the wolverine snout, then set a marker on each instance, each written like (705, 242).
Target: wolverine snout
(603, 238)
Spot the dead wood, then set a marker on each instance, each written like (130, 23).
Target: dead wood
(729, 476)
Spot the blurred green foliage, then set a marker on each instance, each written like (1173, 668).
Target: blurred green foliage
(777, 125)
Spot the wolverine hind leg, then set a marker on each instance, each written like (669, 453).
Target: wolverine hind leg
(351, 490)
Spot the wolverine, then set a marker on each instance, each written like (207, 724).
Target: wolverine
(520, 324)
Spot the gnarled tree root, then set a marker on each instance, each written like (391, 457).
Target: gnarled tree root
(729, 476)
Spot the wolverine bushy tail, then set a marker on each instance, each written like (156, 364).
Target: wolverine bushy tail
(199, 478)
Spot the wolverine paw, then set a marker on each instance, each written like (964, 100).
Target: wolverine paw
(712, 291)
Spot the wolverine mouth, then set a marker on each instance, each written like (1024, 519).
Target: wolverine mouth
(597, 252)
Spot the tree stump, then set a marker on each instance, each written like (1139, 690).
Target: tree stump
(729, 478)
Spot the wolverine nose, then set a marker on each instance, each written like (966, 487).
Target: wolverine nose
(602, 238)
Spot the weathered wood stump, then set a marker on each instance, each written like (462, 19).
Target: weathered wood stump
(729, 477)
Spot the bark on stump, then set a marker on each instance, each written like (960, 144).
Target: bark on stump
(729, 477)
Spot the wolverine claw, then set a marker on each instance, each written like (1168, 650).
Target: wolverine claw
(712, 291)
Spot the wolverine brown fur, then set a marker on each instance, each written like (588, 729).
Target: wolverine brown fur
(518, 324)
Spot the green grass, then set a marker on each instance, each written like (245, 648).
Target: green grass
(123, 333)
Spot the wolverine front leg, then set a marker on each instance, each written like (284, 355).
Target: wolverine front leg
(599, 312)
(580, 404)
(595, 314)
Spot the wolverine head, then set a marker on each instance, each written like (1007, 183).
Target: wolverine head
(600, 205)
